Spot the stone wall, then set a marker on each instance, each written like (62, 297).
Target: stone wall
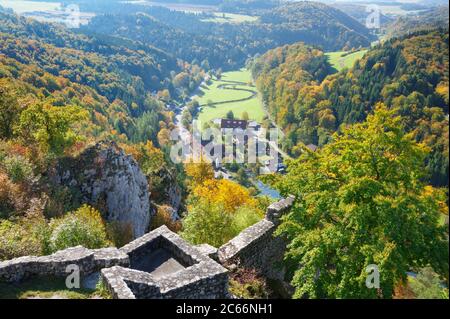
(88, 261)
(203, 278)
(256, 247)
(203, 275)
(202, 281)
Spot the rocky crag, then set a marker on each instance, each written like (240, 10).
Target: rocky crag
(111, 181)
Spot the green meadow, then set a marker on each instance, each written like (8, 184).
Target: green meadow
(233, 92)
(342, 59)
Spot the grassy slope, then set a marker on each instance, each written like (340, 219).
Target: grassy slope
(45, 288)
(213, 93)
(338, 62)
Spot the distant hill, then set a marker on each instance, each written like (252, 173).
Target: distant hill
(119, 73)
(179, 42)
(359, 12)
(226, 45)
(431, 19)
(319, 24)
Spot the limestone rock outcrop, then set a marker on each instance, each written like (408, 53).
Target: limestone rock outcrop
(105, 177)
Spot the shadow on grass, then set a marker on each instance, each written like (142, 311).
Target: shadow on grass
(44, 288)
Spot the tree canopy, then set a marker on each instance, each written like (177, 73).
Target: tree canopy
(362, 200)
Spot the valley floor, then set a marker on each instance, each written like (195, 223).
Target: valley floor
(233, 92)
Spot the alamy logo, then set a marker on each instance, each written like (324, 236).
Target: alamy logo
(72, 19)
(373, 277)
(73, 279)
(373, 19)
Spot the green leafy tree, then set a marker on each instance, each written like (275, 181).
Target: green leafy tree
(207, 223)
(83, 227)
(49, 126)
(361, 200)
(9, 110)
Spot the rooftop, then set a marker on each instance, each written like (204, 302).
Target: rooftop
(225, 123)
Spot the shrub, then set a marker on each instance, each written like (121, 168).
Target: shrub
(210, 223)
(83, 227)
(163, 216)
(264, 202)
(120, 233)
(61, 200)
(18, 168)
(102, 291)
(245, 217)
(16, 241)
(207, 223)
(245, 283)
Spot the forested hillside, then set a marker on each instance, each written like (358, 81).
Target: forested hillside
(186, 45)
(228, 45)
(60, 92)
(133, 81)
(89, 117)
(427, 20)
(319, 24)
(409, 74)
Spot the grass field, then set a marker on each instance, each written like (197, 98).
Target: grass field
(221, 17)
(340, 62)
(233, 92)
(47, 288)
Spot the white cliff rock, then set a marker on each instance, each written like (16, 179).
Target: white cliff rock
(111, 181)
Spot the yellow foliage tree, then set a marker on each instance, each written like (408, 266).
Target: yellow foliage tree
(227, 193)
(199, 172)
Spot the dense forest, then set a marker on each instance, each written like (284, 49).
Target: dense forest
(56, 99)
(409, 74)
(228, 45)
(135, 79)
(424, 20)
(188, 46)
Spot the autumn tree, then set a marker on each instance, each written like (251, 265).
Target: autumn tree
(50, 127)
(207, 222)
(199, 172)
(9, 110)
(227, 193)
(361, 200)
